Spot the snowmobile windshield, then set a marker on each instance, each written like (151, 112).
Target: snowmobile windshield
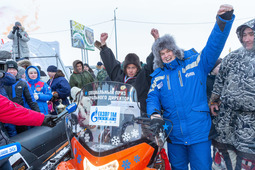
(108, 119)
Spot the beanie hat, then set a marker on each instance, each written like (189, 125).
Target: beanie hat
(17, 23)
(165, 42)
(31, 69)
(21, 71)
(132, 58)
(12, 64)
(216, 64)
(52, 68)
(99, 63)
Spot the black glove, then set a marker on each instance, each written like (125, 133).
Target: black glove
(49, 120)
(14, 29)
(157, 124)
(18, 34)
(227, 15)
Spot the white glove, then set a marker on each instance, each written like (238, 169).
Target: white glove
(36, 96)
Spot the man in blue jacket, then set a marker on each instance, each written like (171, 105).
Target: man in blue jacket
(178, 87)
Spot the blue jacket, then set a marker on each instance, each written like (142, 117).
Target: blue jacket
(41, 88)
(179, 89)
(61, 86)
(7, 80)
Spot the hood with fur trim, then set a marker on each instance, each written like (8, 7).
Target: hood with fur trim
(75, 67)
(241, 28)
(165, 42)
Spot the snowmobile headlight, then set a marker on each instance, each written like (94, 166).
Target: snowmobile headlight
(111, 165)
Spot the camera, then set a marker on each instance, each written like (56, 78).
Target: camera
(2, 69)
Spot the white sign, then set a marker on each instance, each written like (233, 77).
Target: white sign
(104, 115)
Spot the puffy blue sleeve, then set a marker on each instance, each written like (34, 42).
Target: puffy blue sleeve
(153, 98)
(46, 95)
(63, 88)
(215, 43)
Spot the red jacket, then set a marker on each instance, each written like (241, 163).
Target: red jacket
(14, 113)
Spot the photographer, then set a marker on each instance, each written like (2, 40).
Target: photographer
(20, 38)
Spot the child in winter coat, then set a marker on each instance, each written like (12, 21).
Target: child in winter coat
(41, 90)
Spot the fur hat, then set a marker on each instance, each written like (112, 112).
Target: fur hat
(52, 68)
(24, 63)
(165, 42)
(12, 64)
(132, 58)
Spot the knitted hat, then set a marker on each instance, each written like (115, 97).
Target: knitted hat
(31, 69)
(52, 68)
(99, 63)
(17, 23)
(12, 64)
(132, 58)
(165, 42)
(21, 72)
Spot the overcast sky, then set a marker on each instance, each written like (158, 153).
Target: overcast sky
(190, 22)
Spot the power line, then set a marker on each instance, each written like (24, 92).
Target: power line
(165, 23)
(139, 22)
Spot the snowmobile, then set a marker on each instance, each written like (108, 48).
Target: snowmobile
(42, 147)
(107, 131)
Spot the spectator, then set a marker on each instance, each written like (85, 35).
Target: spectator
(59, 86)
(13, 113)
(40, 89)
(21, 73)
(133, 73)
(43, 76)
(99, 67)
(24, 63)
(20, 39)
(20, 93)
(179, 89)
(233, 97)
(80, 77)
(102, 75)
(87, 68)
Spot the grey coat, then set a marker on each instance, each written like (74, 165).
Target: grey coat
(19, 47)
(235, 84)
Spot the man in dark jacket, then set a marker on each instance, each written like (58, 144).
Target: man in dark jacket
(20, 93)
(234, 97)
(132, 73)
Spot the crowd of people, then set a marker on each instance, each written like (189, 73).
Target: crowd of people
(211, 101)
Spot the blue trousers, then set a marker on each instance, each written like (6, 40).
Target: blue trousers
(198, 155)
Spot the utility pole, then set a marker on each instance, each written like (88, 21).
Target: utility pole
(115, 33)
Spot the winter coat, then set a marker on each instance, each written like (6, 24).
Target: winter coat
(80, 79)
(19, 47)
(21, 93)
(7, 80)
(41, 88)
(179, 88)
(235, 84)
(141, 81)
(60, 85)
(16, 114)
(102, 75)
